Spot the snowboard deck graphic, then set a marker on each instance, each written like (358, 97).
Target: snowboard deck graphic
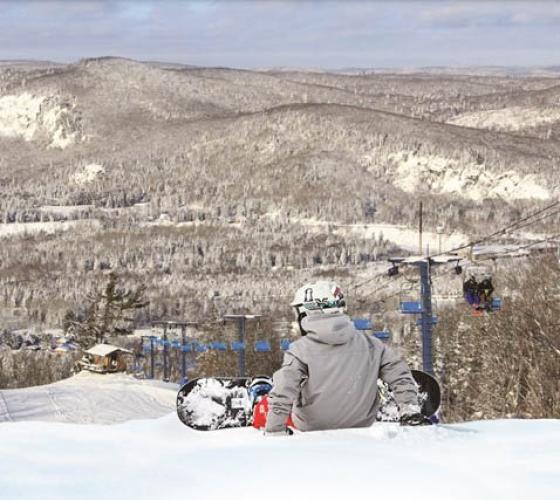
(216, 403)
(429, 398)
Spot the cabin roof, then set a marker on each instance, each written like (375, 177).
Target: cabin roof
(106, 349)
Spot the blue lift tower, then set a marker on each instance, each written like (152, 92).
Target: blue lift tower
(423, 308)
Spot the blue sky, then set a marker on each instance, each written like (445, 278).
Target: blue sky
(268, 33)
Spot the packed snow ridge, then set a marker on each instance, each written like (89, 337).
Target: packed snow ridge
(35, 118)
(89, 398)
(438, 174)
(511, 119)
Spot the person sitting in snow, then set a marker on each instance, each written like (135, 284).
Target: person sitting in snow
(328, 379)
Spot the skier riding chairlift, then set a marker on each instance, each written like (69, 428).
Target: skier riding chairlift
(485, 290)
(328, 379)
(471, 291)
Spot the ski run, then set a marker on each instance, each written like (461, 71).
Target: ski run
(48, 454)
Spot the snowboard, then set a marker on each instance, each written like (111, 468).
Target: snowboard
(208, 404)
(429, 398)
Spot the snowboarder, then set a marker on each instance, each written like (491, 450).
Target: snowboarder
(328, 379)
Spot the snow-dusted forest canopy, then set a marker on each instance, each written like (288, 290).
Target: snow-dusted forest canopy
(220, 191)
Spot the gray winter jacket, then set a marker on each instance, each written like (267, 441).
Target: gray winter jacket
(328, 379)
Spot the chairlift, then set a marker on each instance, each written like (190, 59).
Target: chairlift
(409, 303)
(262, 346)
(237, 346)
(201, 347)
(188, 347)
(362, 324)
(478, 289)
(218, 346)
(382, 335)
(411, 307)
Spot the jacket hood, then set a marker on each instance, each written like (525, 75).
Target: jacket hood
(329, 329)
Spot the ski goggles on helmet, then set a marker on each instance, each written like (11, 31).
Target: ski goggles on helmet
(323, 304)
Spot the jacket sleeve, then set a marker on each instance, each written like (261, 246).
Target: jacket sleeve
(395, 371)
(287, 383)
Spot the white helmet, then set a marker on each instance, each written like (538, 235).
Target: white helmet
(321, 297)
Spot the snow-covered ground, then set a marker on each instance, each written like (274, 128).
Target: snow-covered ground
(46, 452)
(23, 228)
(89, 398)
(30, 117)
(404, 237)
(439, 174)
(162, 458)
(67, 210)
(88, 173)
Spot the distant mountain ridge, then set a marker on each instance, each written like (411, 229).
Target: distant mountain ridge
(196, 178)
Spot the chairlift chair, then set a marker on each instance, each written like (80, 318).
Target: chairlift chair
(479, 273)
(188, 347)
(262, 346)
(382, 335)
(201, 347)
(218, 346)
(409, 303)
(411, 307)
(237, 346)
(362, 324)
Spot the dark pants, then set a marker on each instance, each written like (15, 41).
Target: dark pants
(472, 298)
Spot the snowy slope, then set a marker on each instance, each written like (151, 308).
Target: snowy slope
(163, 459)
(513, 118)
(403, 236)
(30, 116)
(439, 174)
(89, 398)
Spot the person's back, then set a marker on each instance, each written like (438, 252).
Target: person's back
(329, 377)
(340, 390)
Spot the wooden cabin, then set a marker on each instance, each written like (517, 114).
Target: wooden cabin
(105, 358)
